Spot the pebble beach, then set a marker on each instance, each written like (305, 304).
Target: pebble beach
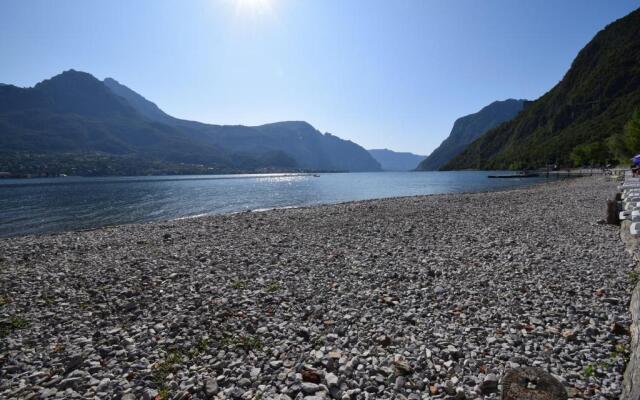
(427, 297)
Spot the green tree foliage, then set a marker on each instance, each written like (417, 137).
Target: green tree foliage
(618, 149)
(596, 153)
(626, 144)
(580, 155)
(632, 133)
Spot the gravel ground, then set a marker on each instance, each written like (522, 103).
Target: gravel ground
(420, 297)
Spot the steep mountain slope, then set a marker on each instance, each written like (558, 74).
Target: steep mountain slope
(75, 113)
(146, 108)
(68, 122)
(71, 92)
(396, 161)
(309, 149)
(468, 128)
(590, 104)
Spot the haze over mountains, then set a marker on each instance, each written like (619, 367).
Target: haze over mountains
(396, 161)
(75, 121)
(468, 128)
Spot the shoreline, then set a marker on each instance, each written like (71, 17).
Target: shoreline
(404, 296)
(300, 206)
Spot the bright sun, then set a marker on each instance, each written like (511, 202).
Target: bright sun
(253, 6)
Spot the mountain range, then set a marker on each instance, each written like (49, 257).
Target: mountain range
(468, 128)
(590, 105)
(74, 123)
(396, 161)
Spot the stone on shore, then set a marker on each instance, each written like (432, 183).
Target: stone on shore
(531, 384)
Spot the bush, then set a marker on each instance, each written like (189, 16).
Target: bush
(632, 133)
(596, 153)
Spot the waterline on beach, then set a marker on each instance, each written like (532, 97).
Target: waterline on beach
(58, 204)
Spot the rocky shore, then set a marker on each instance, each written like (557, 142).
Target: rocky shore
(409, 298)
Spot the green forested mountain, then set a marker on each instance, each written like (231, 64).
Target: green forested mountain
(76, 124)
(468, 128)
(588, 107)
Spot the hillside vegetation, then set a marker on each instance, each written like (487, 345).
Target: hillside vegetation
(588, 107)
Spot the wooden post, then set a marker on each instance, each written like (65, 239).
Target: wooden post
(612, 212)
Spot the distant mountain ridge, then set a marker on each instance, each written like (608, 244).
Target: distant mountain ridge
(307, 146)
(588, 106)
(396, 161)
(74, 116)
(468, 128)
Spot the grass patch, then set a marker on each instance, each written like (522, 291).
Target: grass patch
(273, 287)
(4, 300)
(12, 324)
(202, 345)
(163, 393)
(199, 348)
(164, 369)
(589, 370)
(239, 285)
(634, 277)
(621, 350)
(49, 301)
(245, 342)
(168, 366)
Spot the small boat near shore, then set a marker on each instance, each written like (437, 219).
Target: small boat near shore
(520, 175)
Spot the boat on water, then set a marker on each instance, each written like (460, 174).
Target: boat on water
(521, 174)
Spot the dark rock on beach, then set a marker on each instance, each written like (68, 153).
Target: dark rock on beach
(531, 384)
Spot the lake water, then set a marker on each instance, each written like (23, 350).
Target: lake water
(57, 204)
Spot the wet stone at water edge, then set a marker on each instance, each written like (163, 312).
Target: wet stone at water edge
(531, 384)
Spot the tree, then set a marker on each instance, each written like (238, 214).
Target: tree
(617, 147)
(590, 154)
(580, 155)
(632, 133)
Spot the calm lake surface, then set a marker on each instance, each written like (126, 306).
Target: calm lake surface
(30, 206)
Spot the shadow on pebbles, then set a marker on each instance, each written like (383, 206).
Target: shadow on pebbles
(408, 298)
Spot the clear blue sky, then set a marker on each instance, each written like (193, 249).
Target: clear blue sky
(392, 73)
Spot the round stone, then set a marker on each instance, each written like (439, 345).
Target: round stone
(530, 383)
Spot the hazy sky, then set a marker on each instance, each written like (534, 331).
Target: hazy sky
(393, 73)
